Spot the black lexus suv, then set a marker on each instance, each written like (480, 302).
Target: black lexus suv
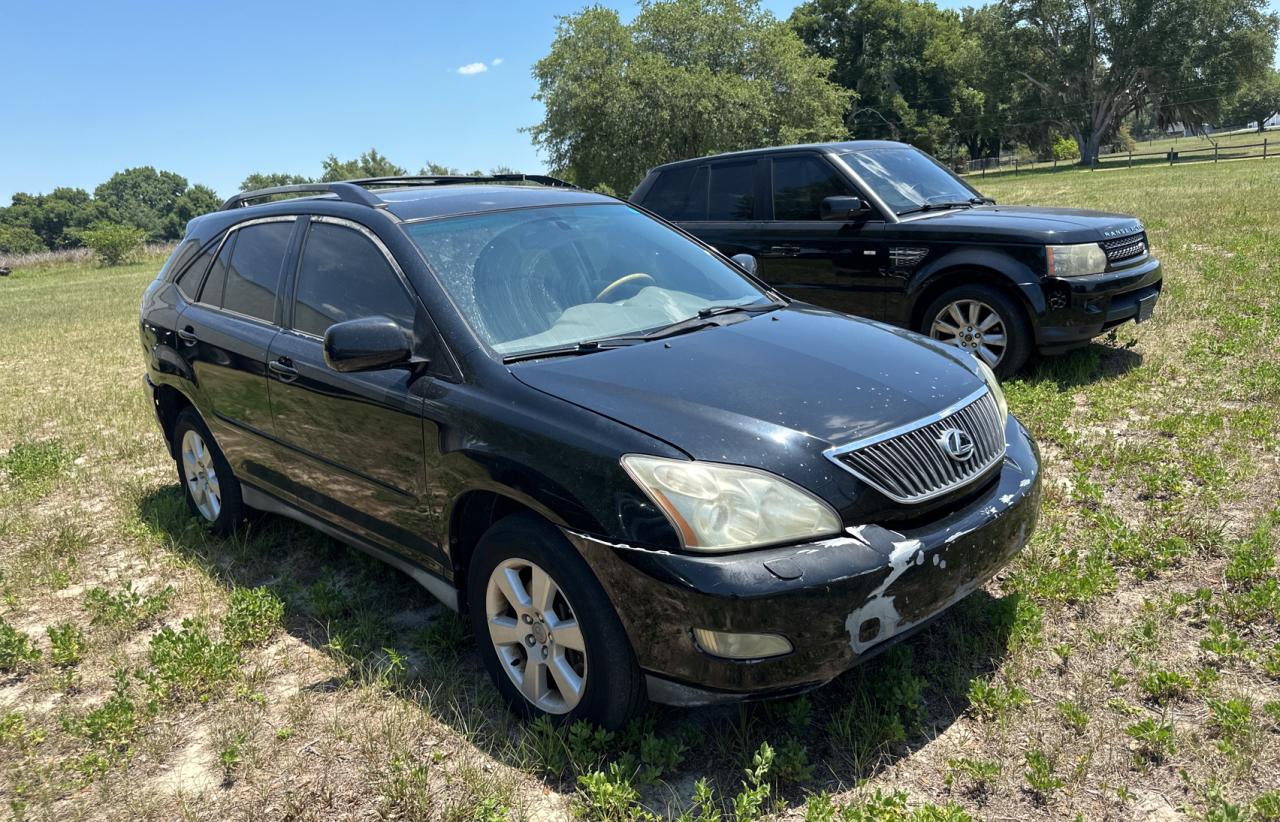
(882, 230)
(640, 472)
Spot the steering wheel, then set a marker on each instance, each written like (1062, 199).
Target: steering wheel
(626, 279)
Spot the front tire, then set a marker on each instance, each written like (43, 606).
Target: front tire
(546, 630)
(983, 321)
(211, 490)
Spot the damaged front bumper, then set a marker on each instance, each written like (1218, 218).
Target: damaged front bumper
(838, 601)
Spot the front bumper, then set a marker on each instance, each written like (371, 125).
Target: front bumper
(1077, 309)
(823, 596)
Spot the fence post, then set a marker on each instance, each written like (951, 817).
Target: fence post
(1215, 152)
(1130, 158)
(1015, 166)
(984, 171)
(1264, 148)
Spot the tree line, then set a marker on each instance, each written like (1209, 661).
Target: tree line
(144, 204)
(1060, 77)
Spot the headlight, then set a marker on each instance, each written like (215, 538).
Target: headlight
(717, 507)
(1075, 260)
(996, 391)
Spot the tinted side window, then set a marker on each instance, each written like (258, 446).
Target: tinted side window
(680, 194)
(254, 271)
(189, 280)
(800, 184)
(733, 187)
(344, 276)
(211, 293)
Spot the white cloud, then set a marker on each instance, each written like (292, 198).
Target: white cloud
(497, 61)
(473, 68)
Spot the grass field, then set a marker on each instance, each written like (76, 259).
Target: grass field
(1126, 666)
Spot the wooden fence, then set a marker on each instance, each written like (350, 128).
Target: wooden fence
(1000, 166)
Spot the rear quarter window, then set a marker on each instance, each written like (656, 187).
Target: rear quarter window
(679, 194)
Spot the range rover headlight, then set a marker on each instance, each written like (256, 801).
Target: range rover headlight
(1075, 260)
(717, 507)
(993, 385)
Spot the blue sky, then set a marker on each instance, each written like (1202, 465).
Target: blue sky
(215, 92)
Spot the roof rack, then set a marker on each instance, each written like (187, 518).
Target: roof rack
(347, 192)
(450, 179)
(357, 191)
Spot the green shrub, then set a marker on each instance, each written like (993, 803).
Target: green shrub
(1064, 148)
(252, 615)
(68, 644)
(127, 608)
(17, 651)
(188, 663)
(114, 244)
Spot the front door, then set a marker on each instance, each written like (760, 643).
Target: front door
(355, 440)
(831, 263)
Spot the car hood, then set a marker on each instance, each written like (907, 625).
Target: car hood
(1031, 224)
(772, 391)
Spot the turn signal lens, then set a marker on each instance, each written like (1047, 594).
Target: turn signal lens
(717, 507)
(741, 646)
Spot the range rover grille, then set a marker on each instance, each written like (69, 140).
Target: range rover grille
(1125, 248)
(915, 464)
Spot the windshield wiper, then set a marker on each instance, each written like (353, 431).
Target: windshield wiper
(749, 308)
(939, 206)
(584, 347)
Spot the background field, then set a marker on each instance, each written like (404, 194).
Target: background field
(1125, 666)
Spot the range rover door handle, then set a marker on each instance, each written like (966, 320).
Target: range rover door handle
(784, 250)
(283, 369)
(188, 336)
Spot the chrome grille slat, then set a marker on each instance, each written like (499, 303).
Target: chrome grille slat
(909, 465)
(1125, 248)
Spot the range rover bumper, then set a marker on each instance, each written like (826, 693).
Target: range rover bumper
(1077, 309)
(838, 601)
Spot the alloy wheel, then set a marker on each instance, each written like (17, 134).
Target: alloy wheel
(974, 326)
(536, 635)
(202, 478)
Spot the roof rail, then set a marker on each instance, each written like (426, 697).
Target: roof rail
(347, 192)
(449, 179)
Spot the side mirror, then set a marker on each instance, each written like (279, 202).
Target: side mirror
(844, 208)
(747, 262)
(366, 344)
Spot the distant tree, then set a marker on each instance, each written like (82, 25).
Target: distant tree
(194, 201)
(504, 170)
(258, 180)
(141, 197)
(906, 61)
(1088, 65)
(369, 164)
(437, 170)
(114, 243)
(685, 78)
(57, 217)
(1258, 100)
(19, 239)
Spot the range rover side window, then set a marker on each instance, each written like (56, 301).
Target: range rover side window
(680, 194)
(254, 270)
(733, 191)
(344, 276)
(799, 185)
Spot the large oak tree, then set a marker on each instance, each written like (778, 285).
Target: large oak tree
(685, 78)
(1088, 64)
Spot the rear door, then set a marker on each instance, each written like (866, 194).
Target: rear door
(226, 334)
(832, 263)
(354, 441)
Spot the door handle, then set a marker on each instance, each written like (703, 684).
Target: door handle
(283, 369)
(188, 336)
(784, 250)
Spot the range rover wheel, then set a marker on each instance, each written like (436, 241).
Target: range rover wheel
(212, 491)
(983, 321)
(546, 630)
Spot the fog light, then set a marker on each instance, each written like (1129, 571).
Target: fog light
(741, 646)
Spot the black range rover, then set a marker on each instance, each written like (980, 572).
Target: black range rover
(639, 471)
(882, 230)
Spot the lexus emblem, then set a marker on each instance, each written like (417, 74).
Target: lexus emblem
(956, 444)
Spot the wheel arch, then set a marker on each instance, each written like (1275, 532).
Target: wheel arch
(169, 403)
(934, 283)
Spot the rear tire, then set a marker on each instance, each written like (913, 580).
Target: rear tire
(983, 321)
(211, 490)
(547, 632)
